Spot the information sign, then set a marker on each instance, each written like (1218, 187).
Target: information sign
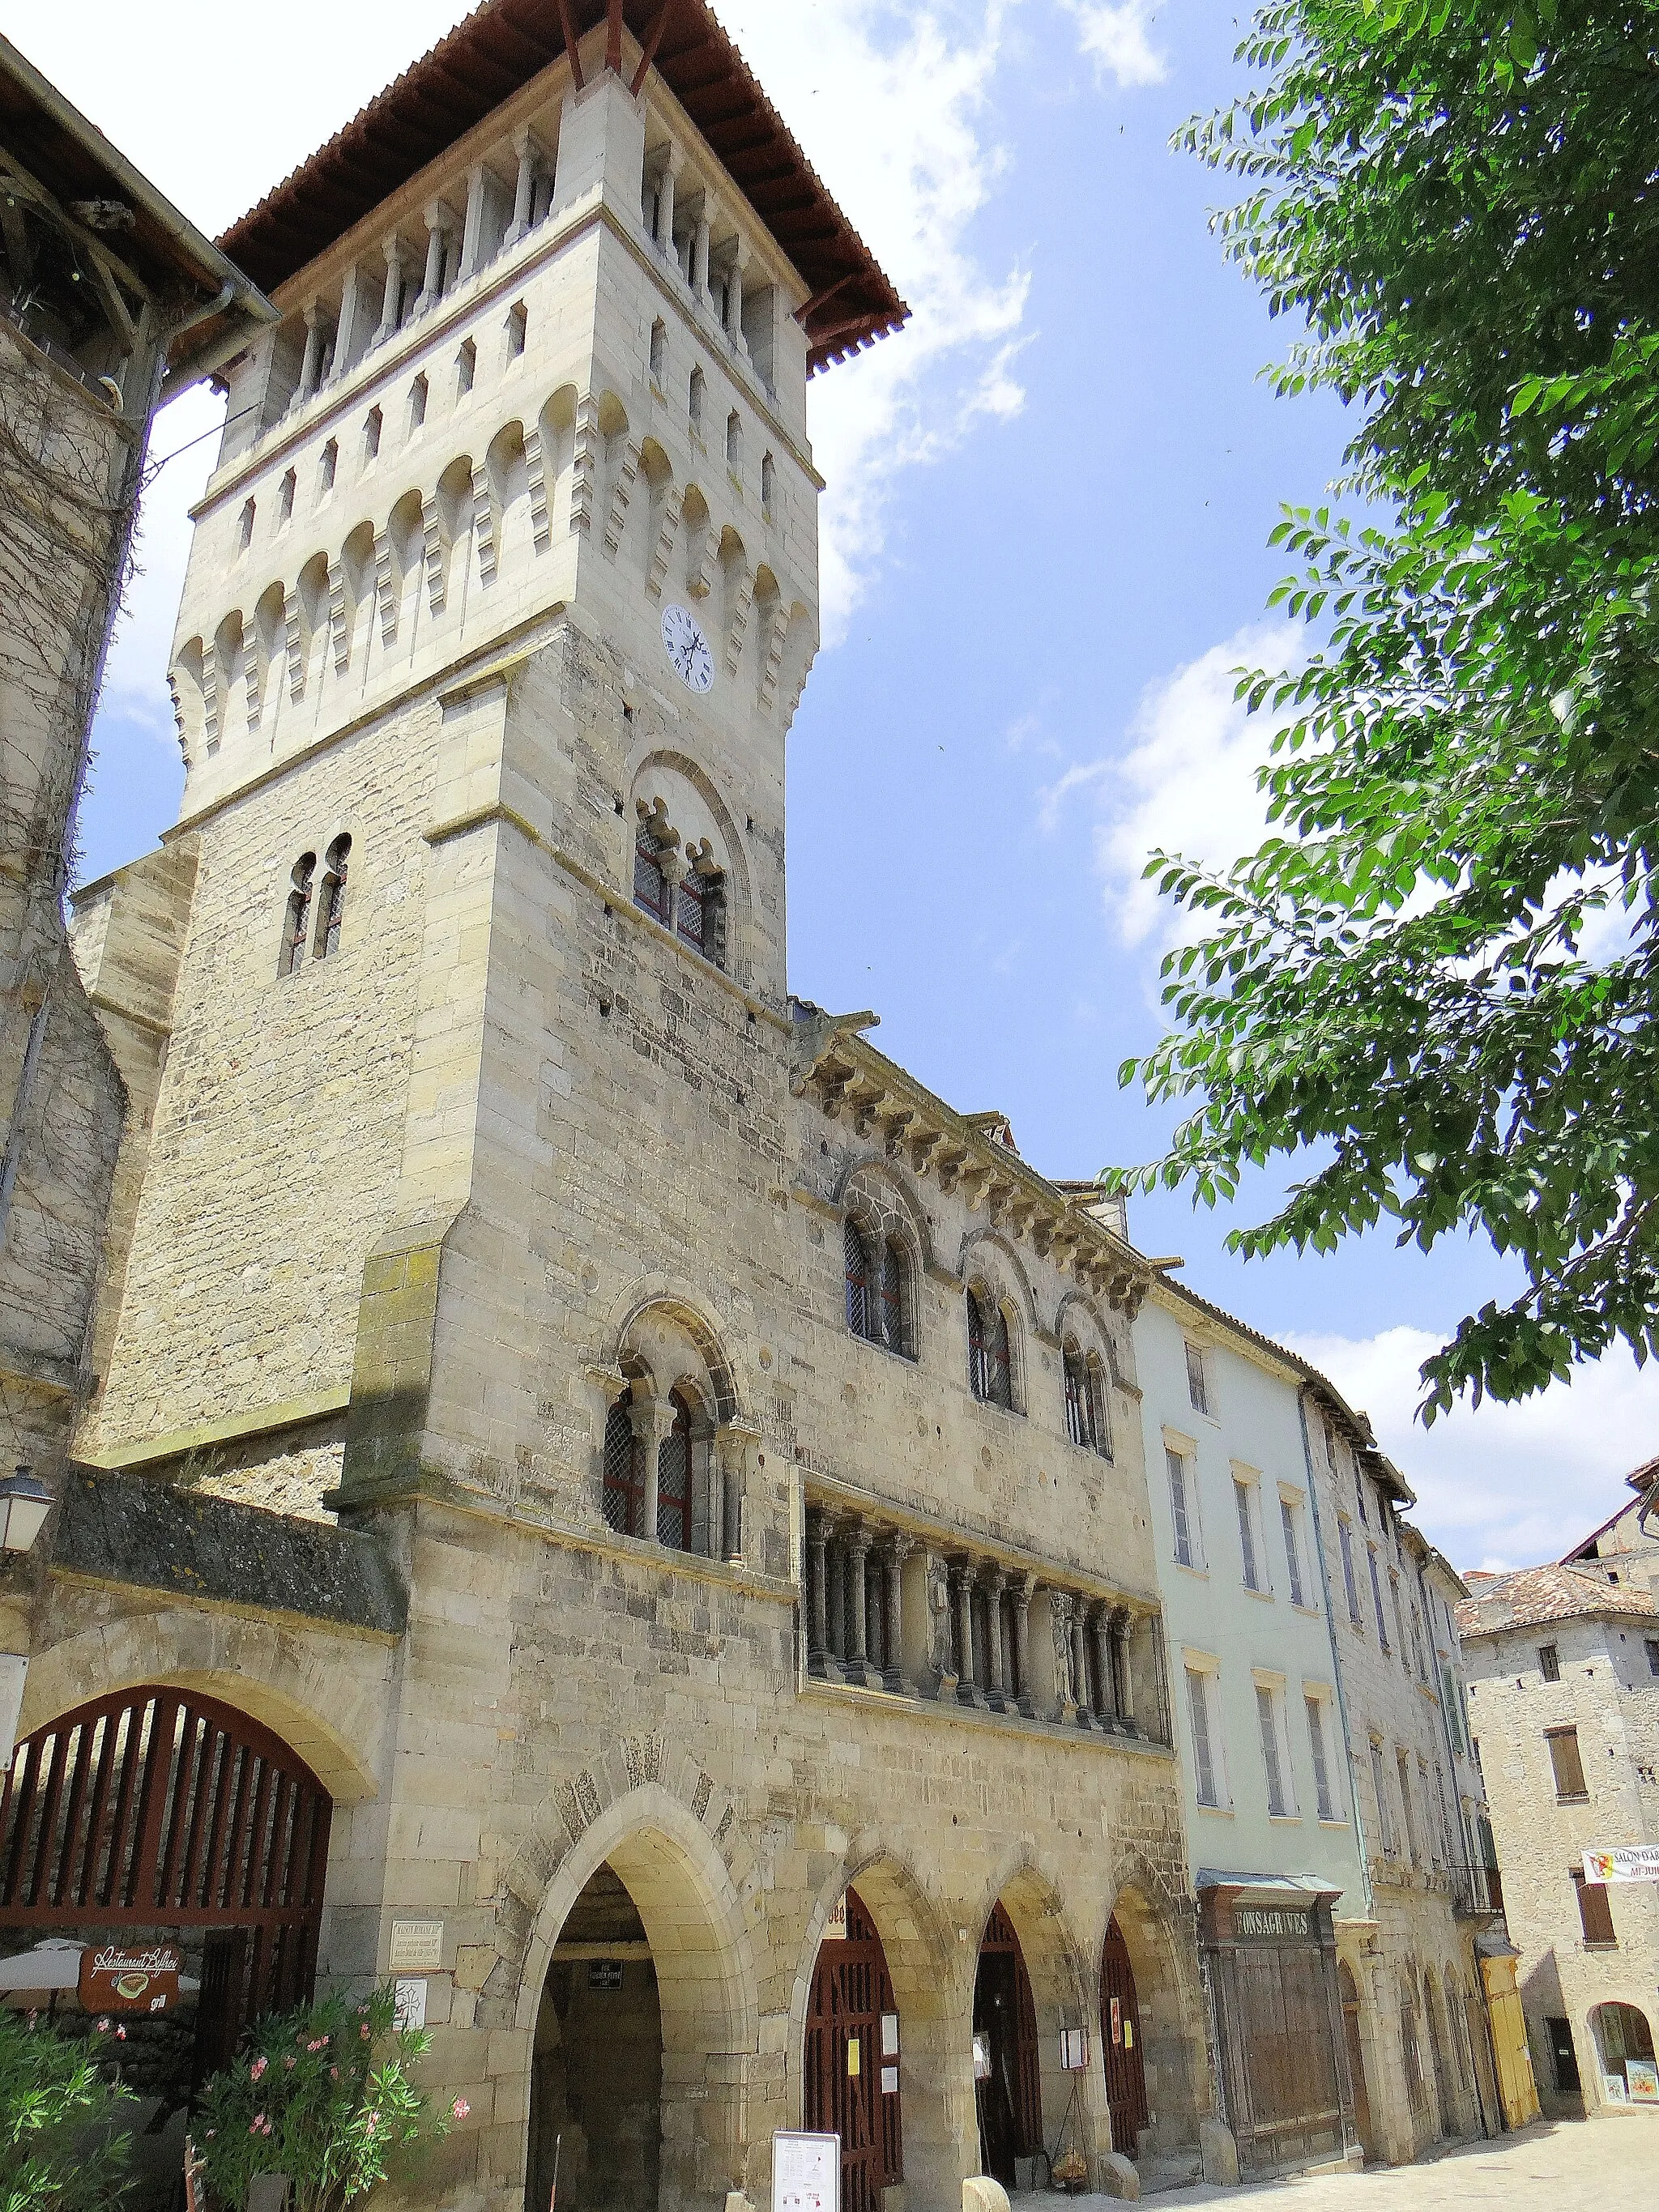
(805, 2171)
(1074, 2049)
(418, 1947)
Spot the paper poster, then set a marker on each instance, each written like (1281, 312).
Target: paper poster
(889, 2081)
(1074, 2050)
(982, 2058)
(1117, 2025)
(889, 2035)
(805, 2173)
(852, 2059)
(1612, 2089)
(835, 1928)
(1642, 2078)
(1128, 2035)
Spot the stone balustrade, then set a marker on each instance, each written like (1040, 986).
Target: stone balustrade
(917, 1616)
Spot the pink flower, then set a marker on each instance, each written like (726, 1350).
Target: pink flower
(371, 2123)
(258, 2122)
(317, 2042)
(103, 2025)
(333, 2073)
(363, 2032)
(459, 2109)
(257, 2070)
(288, 2065)
(120, 2035)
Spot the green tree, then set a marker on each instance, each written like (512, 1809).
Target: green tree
(1438, 974)
(62, 2148)
(322, 2094)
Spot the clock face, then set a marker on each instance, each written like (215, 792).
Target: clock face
(687, 649)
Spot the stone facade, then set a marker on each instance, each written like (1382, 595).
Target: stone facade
(1563, 1666)
(473, 1208)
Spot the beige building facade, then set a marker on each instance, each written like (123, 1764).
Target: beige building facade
(654, 1495)
(1563, 1689)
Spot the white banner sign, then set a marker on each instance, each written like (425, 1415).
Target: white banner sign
(1632, 1863)
(805, 2171)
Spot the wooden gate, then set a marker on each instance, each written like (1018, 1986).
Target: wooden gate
(1121, 2042)
(157, 1808)
(1011, 2097)
(852, 2059)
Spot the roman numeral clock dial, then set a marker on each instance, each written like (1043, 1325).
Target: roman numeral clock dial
(687, 649)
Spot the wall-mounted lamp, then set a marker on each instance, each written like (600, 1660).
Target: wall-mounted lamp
(25, 1502)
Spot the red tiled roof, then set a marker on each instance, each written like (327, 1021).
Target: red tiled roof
(1533, 1596)
(502, 45)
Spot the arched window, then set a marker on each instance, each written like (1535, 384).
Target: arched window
(1088, 1422)
(297, 926)
(734, 440)
(650, 879)
(876, 1283)
(333, 900)
(659, 348)
(674, 1481)
(693, 398)
(624, 1494)
(990, 1370)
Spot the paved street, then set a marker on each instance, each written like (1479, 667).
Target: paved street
(1609, 2164)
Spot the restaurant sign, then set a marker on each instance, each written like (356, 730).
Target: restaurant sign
(136, 1980)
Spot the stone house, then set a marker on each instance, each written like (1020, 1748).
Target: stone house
(1564, 1702)
(110, 302)
(605, 1498)
(1333, 1808)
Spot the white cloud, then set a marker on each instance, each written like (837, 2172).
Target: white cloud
(1498, 1485)
(892, 105)
(1186, 784)
(1117, 40)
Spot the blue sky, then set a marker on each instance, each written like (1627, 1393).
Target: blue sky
(1045, 550)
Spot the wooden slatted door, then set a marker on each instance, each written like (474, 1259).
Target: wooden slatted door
(1295, 2108)
(851, 2088)
(158, 1809)
(1121, 2042)
(1010, 2096)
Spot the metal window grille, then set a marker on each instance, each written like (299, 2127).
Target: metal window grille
(1077, 1400)
(998, 1362)
(892, 1296)
(1099, 1411)
(690, 920)
(856, 1256)
(977, 1371)
(674, 1482)
(650, 884)
(624, 1488)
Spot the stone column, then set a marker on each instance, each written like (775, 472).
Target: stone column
(349, 341)
(1024, 1588)
(817, 1622)
(898, 1551)
(741, 260)
(835, 1570)
(1080, 1659)
(391, 305)
(706, 215)
(731, 1442)
(439, 224)
(526, 149)
(472, 252)
(1060, 1622)
(670, 174)
(995, 1582)
(311, 366)
(1106, 1673)
(962, 1590)
(1123, 1623)
(858, 1550)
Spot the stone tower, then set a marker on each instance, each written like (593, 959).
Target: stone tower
(750, 1437)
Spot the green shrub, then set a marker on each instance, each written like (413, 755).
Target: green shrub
(60, 2149)
(321, 2094)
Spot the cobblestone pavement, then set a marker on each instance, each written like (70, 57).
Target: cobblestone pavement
(1607, 2164)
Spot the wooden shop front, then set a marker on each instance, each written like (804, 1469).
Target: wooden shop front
(1268, 1953)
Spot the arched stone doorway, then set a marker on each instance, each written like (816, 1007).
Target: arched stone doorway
(1008, 2058)
(852, 2054)
(158, 1822)
(1353, 2038)
(641, 1914)
(1169, 2034)
(1122, 2044)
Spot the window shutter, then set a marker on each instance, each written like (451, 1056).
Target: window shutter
(1269, 1727)
(1198, 1701)
(1568, 1765)
(1595, 1912)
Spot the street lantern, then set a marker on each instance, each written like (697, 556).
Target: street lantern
(25, 1502)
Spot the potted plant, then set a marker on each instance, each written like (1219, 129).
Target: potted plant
(322, 2095)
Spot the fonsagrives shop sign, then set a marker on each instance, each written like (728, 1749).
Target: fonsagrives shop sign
(1269, 1920)
(116, 1980)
